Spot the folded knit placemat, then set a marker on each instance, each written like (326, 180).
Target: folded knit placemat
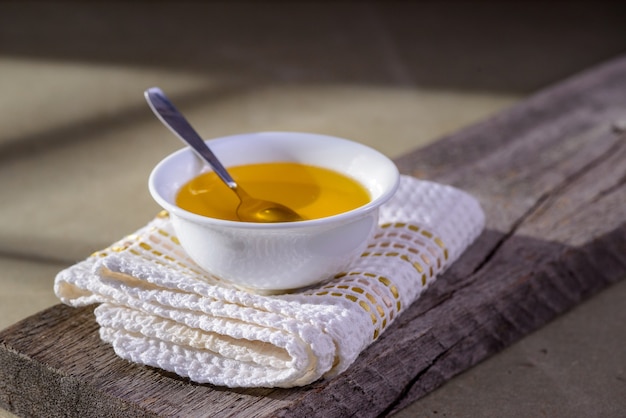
(158, 308)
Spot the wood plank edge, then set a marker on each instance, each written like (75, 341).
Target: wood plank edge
(30, 388)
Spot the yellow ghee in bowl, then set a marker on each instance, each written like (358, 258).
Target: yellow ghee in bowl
(313, 192)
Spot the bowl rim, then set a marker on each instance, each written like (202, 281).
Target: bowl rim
(350, 215)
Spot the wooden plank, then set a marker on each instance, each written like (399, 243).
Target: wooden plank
(551, 176)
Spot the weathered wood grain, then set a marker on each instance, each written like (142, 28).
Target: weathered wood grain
(551, 176)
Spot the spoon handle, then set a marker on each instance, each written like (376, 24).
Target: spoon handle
(165, 110)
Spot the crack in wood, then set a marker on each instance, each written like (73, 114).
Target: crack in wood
(407, 388)
(610, 190)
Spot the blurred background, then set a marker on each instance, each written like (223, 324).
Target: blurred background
(77, 140)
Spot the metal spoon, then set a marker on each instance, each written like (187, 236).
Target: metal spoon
(250, 209)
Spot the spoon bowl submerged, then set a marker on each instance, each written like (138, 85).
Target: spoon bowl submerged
(251, 209)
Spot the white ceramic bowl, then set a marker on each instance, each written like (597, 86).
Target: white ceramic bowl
(273, 257)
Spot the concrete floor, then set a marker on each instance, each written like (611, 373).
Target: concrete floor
(77, 140)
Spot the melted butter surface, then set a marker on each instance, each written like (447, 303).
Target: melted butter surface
(313, 192)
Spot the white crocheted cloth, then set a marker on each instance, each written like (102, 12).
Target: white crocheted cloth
(157, 308)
